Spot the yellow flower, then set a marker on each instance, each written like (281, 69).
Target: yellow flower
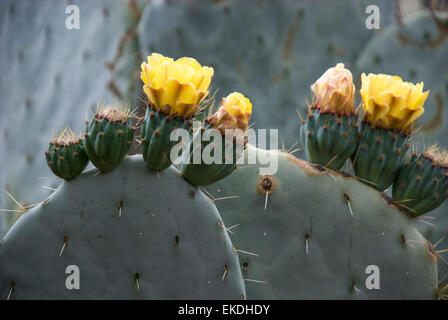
(234, 113)
(391, 102)
(175, 87)
(334, 91)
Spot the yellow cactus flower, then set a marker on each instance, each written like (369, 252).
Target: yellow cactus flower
(175, 87)
(234, 113)
(334, 91)
(391, 102)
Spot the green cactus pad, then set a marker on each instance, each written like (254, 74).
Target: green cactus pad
(67, 161)
(54, 75)
(132, 233)
(107, 141)
(155, 137)
(202, 174)
(319, 233)
(329, 139)
(421, 185)
(379, 156)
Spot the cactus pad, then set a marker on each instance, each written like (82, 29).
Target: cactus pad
(133, 234)
(155, 137)
(67, 156)
(329, 139)
(319, 233)
(421, 185)
(379, 156)
(108, 138)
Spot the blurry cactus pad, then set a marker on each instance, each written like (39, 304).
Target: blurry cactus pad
(329, 131)
(174, 90)
(422, 182)
(109, 136)
(222, 139)
(66, 155)
(390, 107)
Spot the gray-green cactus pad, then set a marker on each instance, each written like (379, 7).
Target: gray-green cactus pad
(168, 235)
(308, 243)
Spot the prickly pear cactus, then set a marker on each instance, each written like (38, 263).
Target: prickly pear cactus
(109, 137)
(421, 37)
(49, 72)
(277, 47)
(310, 233)
(401, 49)
(132, 233)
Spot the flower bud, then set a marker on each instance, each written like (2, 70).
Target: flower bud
(334, 91)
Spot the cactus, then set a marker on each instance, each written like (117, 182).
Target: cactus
(174, 90)
(109, 136)
(422, 182)
(222, 139)
(380, 154)
(155, 137)
(417, 49)
(277, 48)
(329, 132)
(133, 234)
(400, 50)
(49, 73)
(67, 156)
(390, 108)
(313, 232)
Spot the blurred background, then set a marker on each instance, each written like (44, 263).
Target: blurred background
(53, 75)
